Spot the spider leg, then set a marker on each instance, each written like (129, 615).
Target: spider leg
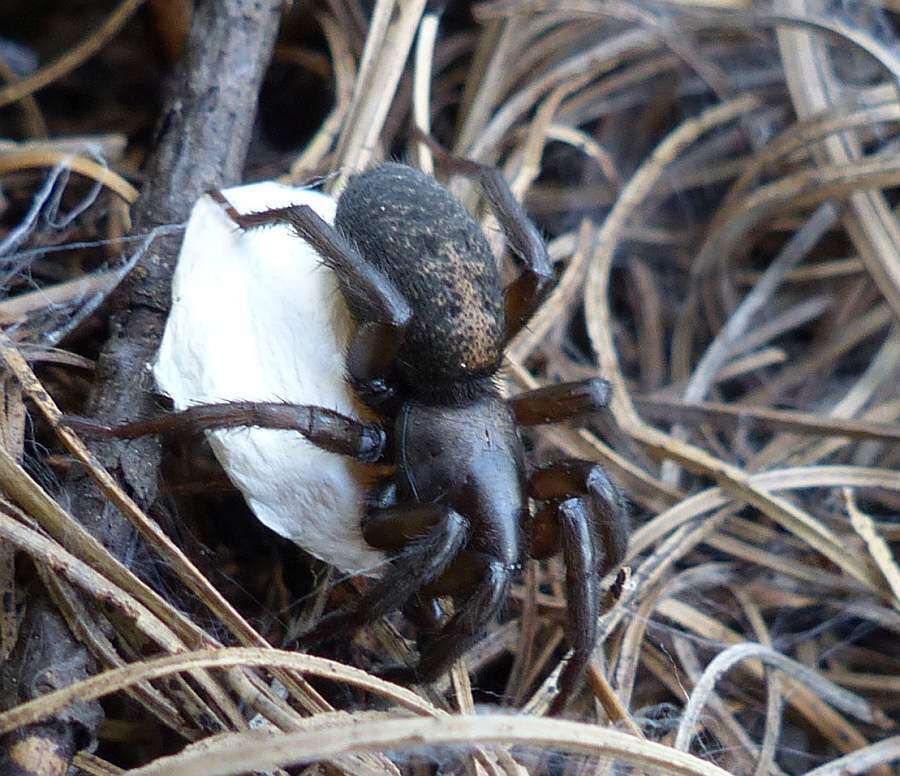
(378, 306)
(422, 560)
(480, 584)
(608, 513)
(587, 517)
(325, 428)
(426, 613)
(563, 401)
(527, 291)
(582, 594)
(392, 529)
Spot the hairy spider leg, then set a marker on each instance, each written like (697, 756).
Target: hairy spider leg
(389, 529)
(574, 477)
(382, 312)
(380, 309)
(422, 559)
(608, 513)
(526, 292)
(479, 584)
(325, 428)
(427, 614)
(586, 515)
(582, 595)
(560, 402)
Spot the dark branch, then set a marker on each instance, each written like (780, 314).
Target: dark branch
(202, 143)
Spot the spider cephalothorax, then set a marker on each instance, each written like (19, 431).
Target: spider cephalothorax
(432, 321)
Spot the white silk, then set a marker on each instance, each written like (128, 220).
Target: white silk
(256, 317)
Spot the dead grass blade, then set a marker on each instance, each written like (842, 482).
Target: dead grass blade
(116, 680)
(11, 161)
(828, 691)
(877, 547)
(237, 754)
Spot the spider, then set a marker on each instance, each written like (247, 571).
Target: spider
(433, 320)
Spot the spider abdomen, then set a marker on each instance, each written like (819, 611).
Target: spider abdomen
(418, 234)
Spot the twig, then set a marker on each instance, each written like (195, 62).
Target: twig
(202, 145)
(425, 42)
(788, 420)
(869, 219)
(39, 157)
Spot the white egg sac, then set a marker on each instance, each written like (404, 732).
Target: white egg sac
(256, 317)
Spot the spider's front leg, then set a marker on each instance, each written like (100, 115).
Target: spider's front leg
(325, 428)
(560, 402)
(379, 308)
(479, 584)
(572, 477)
(430, 563)
(602, 506)
(584, 514)
(427, 538)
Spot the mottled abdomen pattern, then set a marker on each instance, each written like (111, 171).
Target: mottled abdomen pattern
(418, 234)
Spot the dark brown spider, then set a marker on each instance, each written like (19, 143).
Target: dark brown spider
(433, 320)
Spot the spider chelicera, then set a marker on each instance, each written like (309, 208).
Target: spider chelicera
(433, 319)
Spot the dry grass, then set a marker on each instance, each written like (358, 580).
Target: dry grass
(717, 182)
